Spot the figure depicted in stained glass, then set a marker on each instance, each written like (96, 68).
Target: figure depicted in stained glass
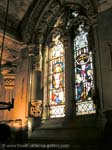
(56, 76)
(82, 69)
(57, 80)
(83, 65)
(84, 86)
(90, 85)
(82, 37)
(55, 99)
(79, 87)
(58, 49)
(58, 67)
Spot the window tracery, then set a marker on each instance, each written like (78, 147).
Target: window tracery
(84, 88)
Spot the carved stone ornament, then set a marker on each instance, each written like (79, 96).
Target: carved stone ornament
(9, 81)
(36, 108)
(31, 49)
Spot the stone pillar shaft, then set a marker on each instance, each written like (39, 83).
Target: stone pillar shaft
(45, 102)
(35, 82)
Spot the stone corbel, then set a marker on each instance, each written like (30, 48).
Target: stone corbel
(36, 108)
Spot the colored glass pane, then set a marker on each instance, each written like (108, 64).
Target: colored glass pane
(56, 80)
(84, 85)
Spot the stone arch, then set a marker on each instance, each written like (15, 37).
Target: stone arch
(47, 14)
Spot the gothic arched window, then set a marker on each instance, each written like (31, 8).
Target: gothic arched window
(69, 48)
(83, 64)
(56, 78)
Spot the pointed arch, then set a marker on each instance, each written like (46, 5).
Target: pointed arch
(70, 36)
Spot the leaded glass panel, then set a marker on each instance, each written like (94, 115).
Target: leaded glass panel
(56, 79)
(83, 67)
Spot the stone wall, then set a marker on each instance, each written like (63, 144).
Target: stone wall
(104, 58)
(20, 91)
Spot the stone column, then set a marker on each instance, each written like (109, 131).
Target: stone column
(30, 70)
(29, 89)
(98, 78)
(35, 83)
(45, 70)
(98, 81)
(35, 90)
(69, 79)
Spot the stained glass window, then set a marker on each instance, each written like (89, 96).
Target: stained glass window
(84, 84)
(56, 79)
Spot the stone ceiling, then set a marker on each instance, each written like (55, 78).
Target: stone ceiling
(13, 43)
(16, 12)
(17, 8)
